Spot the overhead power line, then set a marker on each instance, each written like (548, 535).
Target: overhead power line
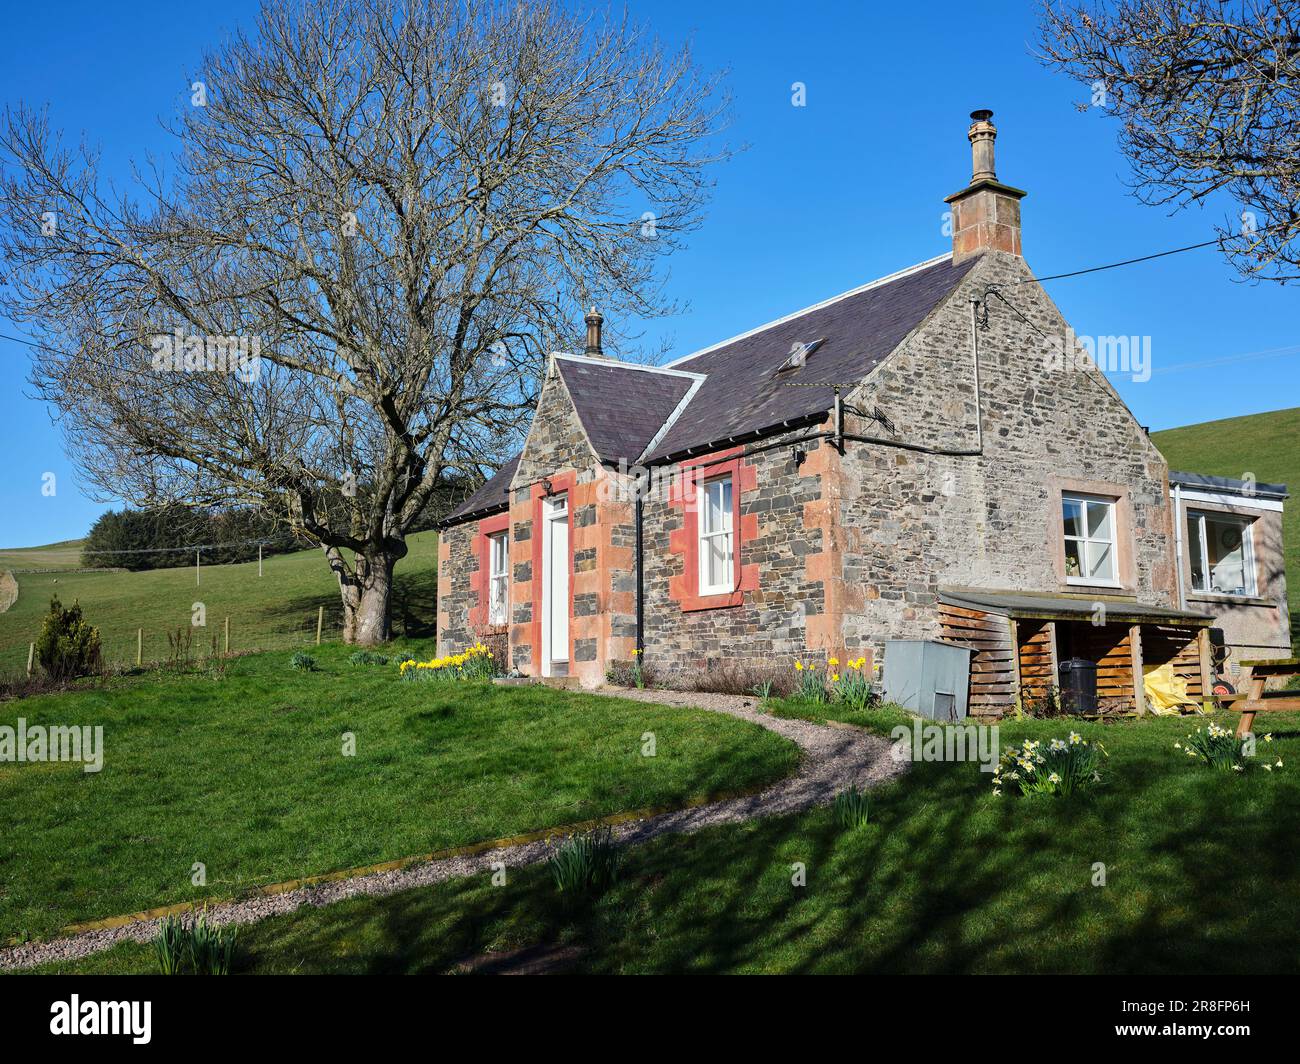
(1217, 241)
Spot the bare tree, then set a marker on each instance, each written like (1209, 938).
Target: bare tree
(381, 218)
(1208, 97)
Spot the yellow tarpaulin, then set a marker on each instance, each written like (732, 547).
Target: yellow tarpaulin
(1165, 690)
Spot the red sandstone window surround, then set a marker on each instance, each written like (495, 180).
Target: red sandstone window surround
(713, 534)
(491, 530)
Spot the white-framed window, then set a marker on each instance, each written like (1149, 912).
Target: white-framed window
(1221, 552)
(717, 538)
(1091, 556)
(498, 578)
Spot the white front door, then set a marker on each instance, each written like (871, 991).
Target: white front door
(555, 587)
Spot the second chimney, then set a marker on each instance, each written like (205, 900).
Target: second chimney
(594, 321)
(986, 213)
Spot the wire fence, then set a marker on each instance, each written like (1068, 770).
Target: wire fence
(220, 636)
(149, 646)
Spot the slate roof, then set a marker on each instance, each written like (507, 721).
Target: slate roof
(493, 495)
(860, 329)
(732, 390)
(621, 406)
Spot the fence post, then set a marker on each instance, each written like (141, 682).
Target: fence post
(259, 561)
(227, 635)
(320, 620)
(31, 657)
(196, 567)
(139, 647)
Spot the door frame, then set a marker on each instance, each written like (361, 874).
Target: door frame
(554, 509)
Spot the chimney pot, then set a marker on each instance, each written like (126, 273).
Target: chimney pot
(986, 213)
(594, 321)
(982, 134)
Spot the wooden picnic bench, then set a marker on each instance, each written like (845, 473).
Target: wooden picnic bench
(1256, 699)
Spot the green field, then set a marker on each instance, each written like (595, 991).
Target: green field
(240, 765)
(65, 555)
(1167, 867)
(1266, 445)
(277, 610)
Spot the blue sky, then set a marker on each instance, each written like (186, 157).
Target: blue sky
(828, 196)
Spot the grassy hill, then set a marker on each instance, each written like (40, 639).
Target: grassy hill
(65, 555)
(277, 610)
(1267, 445)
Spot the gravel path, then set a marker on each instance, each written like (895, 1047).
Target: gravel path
(834, 759)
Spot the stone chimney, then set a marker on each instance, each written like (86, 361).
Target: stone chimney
(986, 213)
(594, 321)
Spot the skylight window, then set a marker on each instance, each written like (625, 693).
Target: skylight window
(799, 352)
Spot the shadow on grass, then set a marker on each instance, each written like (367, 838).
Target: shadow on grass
(1199, 873)
(414, 609)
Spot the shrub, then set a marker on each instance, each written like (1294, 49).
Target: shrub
(585, 862)
(476, 663)
(1063, 767)
(67, 645)
(367, 657)
(851, 809)
(302, 661)
(1047, 705)
(737, 678)
(496, 638)
(634, 673)
(1218, 748)
(179, 644)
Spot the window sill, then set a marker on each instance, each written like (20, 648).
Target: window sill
(1239, 600)
(1080, 583)
(719, 601)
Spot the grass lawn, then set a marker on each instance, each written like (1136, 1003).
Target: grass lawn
(245, 773)
(1201, 876)
(278, 610)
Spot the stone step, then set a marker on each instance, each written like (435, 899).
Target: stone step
(565, 682)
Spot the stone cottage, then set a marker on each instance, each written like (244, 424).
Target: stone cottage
(926, 456)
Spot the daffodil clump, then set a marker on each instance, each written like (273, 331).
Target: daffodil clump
(810, 683)
(1218, 748)
(849, 683)
(476, 663)
(1062, 767)
(852, 687)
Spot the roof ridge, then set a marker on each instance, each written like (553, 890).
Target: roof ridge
(897, 275)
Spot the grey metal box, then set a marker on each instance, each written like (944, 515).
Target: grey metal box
(928, 677)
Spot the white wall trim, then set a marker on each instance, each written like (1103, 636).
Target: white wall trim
(1252, 502)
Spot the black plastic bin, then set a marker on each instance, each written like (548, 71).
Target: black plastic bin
(1079, 685)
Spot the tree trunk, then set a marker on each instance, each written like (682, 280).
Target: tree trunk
(367, 602)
